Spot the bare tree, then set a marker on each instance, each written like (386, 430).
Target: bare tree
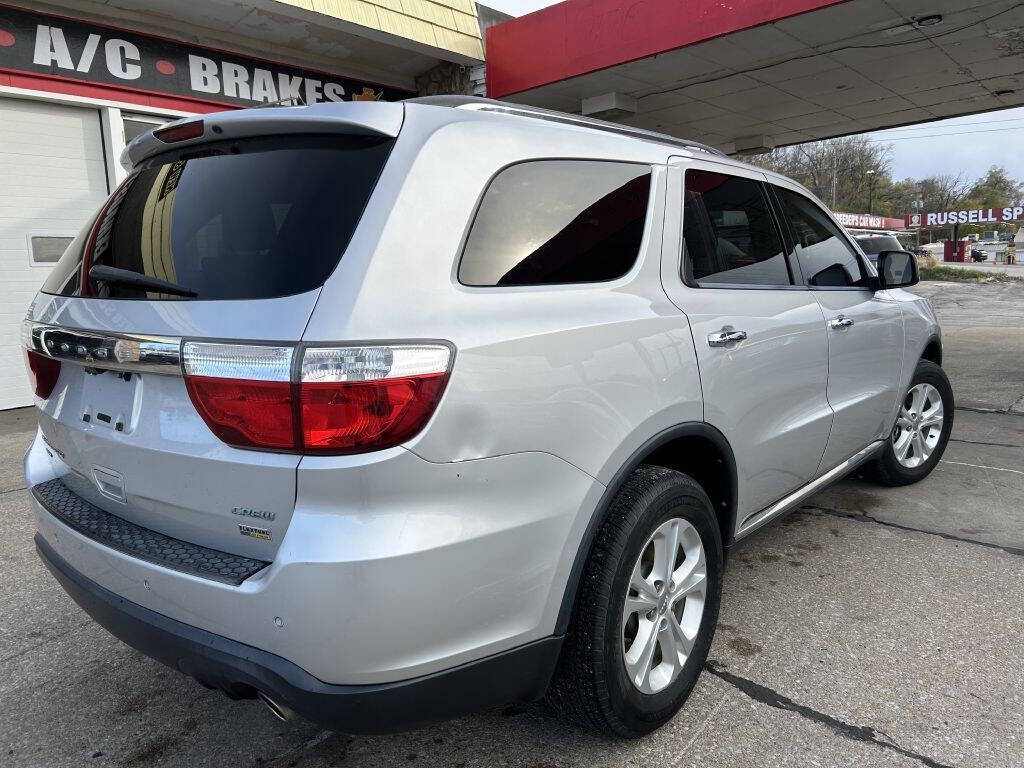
(944, 192)
(847, 173)
(853, 174)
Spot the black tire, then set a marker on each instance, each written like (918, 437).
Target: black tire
(886, 468)
(590, 684)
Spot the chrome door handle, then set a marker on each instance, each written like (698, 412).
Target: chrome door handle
(840, 322)
(722, 338)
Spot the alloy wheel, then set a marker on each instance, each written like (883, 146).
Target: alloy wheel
(918, 426)
(664, 605)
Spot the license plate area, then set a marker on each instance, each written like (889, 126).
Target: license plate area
(110, 399)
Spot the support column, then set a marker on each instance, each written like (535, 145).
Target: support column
(112, 127)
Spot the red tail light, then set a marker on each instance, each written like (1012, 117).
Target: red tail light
(345, 399)
(43, 372)
(351, 417)
(251, 414)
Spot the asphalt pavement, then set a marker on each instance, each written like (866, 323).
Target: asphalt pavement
(873, 627)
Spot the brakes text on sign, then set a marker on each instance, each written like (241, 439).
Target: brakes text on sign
(122, 59)
(235, 80)
(977, 216)
(40, 45)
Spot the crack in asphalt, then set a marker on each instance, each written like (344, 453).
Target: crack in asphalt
(863, 517)
(982, 442)
(772, 698)
(997, 411)
(292, 756)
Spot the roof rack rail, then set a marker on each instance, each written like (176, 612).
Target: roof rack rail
(287, 101)
(490, 105)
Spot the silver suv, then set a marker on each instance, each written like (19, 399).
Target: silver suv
(385, 413)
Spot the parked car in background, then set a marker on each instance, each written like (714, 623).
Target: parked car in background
(388, 412)
(872, 245)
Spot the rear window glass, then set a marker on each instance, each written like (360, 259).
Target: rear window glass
(247, 219)
(558, 221)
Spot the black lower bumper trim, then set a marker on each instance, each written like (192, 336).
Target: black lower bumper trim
(521, 674)
(142, 543)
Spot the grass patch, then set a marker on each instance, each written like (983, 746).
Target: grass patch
(965, 275)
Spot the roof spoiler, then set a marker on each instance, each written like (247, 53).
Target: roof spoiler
(377, 118)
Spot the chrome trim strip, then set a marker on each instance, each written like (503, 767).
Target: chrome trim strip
(757, 519)
(109, 351)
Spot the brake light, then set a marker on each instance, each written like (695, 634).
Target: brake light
(43, 372)
(190, 130)
(356, 399)
(341, 400)
(243, 393)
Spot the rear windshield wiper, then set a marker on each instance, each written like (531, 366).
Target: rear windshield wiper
(116, 276)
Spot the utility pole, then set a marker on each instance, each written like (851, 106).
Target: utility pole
(835, 173)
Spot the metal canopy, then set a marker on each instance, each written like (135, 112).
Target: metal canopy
(751, 75)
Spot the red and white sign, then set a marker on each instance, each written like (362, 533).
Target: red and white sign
(974, 216)
(45, 52)
(869, 221)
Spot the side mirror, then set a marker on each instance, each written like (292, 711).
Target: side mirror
(897, 269)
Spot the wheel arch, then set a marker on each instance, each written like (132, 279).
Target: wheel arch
(696, 448)
(933, 350)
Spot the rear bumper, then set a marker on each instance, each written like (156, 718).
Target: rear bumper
(392, 568)
(241, 670)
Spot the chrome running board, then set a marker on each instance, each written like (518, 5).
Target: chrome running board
(754, 521)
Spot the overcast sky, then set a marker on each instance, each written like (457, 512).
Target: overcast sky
(994, 138)
(970, 144)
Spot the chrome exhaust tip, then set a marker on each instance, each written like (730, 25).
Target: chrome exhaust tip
(281, 711)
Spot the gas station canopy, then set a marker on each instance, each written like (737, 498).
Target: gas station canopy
(749, 76)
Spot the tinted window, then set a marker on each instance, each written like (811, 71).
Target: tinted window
(558, 221)
(825, 257)
(729, 232)
(875, 244)
(249, 219)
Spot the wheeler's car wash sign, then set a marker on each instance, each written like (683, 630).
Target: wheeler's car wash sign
(975, 216)
(52, 46)
(868, 221)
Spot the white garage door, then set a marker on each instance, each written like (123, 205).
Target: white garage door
(53, 179)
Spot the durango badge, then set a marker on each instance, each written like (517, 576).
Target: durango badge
(261, 514)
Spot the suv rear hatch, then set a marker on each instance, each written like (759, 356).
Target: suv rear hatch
(224, 240)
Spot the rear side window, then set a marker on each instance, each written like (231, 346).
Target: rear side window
(729, 232)
(558, 221)
(248, 219)
(825, 257)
